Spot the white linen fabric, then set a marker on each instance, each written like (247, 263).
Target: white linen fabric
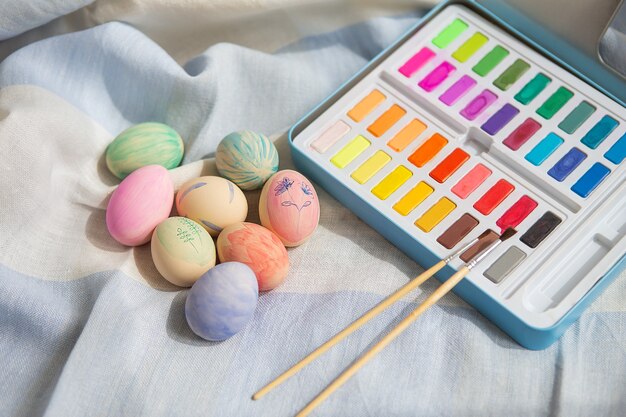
(88, 327)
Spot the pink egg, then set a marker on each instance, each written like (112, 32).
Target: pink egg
(289, 207)
(141, 201)
(258, 248)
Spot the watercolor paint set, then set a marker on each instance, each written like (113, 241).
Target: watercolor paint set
(465, 125)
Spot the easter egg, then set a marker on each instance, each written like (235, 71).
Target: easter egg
(222, 301)
(182, 250)
(258, 248)
(144, 144)
(289, 207)
(246, 158)
(141, 201)
(213, 202)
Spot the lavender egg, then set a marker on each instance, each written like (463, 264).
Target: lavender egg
(222, 301)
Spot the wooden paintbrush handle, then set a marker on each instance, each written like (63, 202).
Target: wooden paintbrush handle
(388, 338)
(358, 323)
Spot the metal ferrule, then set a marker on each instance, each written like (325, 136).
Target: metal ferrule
(461, 250)
(482, 255)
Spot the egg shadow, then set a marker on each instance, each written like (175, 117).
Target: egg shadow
(253, 206)
(104, 173)
(284, 152)
(97, 232)
(145, 266)
(176, 326)
(99, 236)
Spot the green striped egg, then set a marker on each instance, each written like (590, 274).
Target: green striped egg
(246, 158)
(144, 144)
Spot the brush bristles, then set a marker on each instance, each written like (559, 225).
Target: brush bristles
(484, 234)
(510, 232)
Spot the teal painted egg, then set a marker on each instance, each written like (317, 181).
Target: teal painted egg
(246, 158)
(144, 144)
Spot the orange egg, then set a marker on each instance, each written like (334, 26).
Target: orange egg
(258, 248)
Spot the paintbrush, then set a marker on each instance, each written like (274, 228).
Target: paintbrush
(365, 318)
(443, 289)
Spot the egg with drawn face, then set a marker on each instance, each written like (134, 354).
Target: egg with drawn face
(289, 207)
(212, 202)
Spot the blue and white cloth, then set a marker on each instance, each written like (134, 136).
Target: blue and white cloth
(89, 328)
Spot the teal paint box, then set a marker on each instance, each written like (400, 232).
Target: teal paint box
(481, 118)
